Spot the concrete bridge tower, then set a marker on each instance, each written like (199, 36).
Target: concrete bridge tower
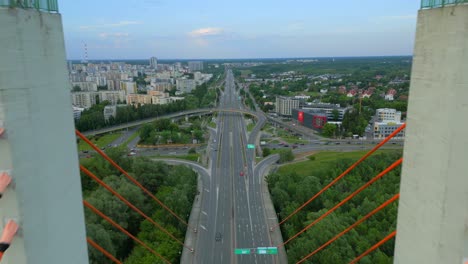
(38, 147)
(433, 210)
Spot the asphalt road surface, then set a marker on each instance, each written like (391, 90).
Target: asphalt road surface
(232, 214)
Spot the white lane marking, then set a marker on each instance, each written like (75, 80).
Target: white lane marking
(204, 228)
(203, 212)
(206, 190)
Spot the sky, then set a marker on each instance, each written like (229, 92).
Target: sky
(217, 29)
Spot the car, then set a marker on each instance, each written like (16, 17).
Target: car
(241, 173)
(294, 147)
(131, 153)
(286, 146)
(88, 156)
(302, 144)
(218, 236)
(85, 151)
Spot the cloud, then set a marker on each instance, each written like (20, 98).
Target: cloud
(202, 32)
(113, 35)
(112, 25)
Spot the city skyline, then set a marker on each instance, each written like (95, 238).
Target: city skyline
(207, 30)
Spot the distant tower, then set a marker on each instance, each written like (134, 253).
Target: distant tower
(432, 226)
(85, 49)
(153, 63)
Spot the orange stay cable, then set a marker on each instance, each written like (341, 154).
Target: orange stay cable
(343, 174)
(95, 210)
(102, 250)
(382, 206)
(5, 180)
(380, 175)
(7, 236)
(134, 208)
(374, 247)
(104, 155)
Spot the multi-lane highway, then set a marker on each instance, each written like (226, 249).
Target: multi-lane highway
(232, 214)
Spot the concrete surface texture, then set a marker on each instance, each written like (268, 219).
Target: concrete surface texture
(433, 211)
(39, 145)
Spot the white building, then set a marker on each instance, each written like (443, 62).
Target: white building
(88, 99)
(387, 121)
(384, 129)
(284, 105)
(388, 115)
(112, 96)
(77, 112)
(185, 85)
(111, 110)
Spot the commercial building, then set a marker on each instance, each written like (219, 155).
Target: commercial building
(328, 108)
(310, 118)
(387, 121)
(284, 105)
(387, 115)
(195, 66)
(153, 61)
(185, 85)
(384, 129)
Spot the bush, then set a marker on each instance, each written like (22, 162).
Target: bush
(192, 151)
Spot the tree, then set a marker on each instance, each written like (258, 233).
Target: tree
(329, 130)
(336, 115)
(286, 155)
(266, 152)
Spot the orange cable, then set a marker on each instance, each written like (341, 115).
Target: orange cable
(382, 206)
(134, 208)
(342, 174)
(380, 175)
(95, 210)
(7, 236)
(5, 180)
(104, 155)
(102, 250)
(374, 247)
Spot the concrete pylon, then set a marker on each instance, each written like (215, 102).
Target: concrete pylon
(433, 211)
(38, 147)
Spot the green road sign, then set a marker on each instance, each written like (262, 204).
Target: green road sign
(267, 250)
(250, 146)
(242, 251)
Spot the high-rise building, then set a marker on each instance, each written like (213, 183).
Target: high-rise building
(153, 61)
(284, 105)
(195, 66)
(185, 85)
(129, 87)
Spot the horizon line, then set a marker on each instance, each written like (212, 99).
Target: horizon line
(252, 58)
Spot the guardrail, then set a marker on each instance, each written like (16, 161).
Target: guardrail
(41, 5)
(425, 4)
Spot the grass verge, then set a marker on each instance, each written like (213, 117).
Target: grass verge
(322, 160)
(100, 141)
